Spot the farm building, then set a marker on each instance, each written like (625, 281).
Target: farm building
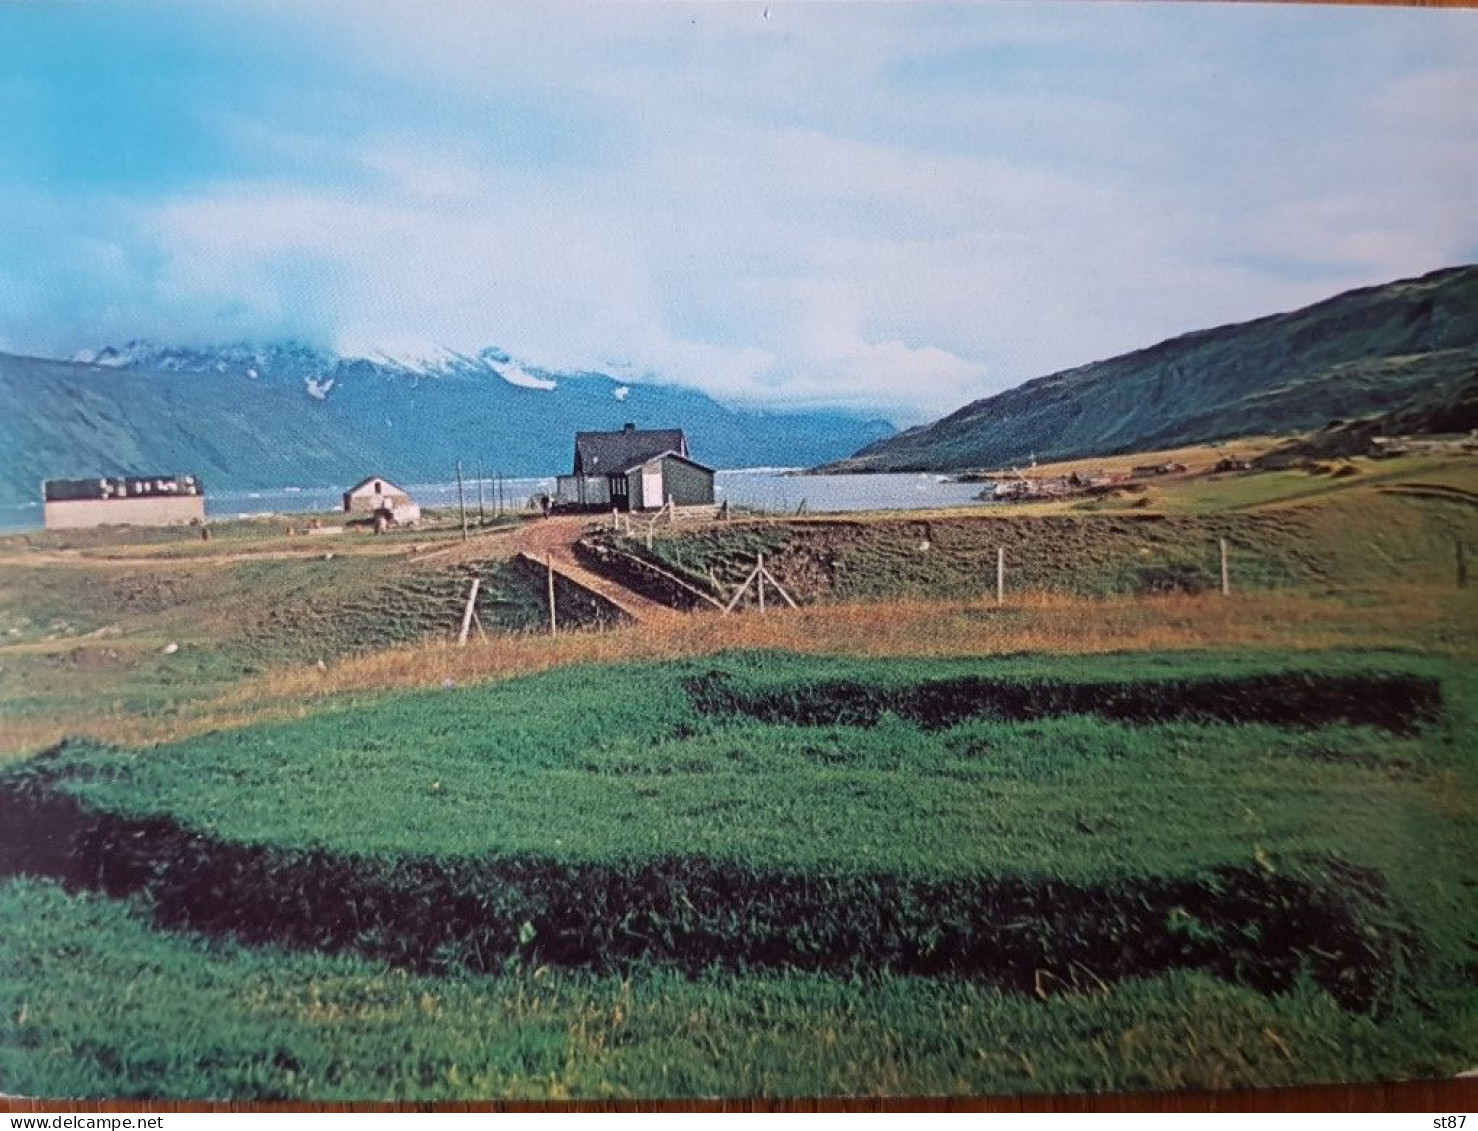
(634, 469)
(1149, 470)
(377, 495)
(129, 500)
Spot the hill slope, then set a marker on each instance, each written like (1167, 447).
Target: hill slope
(287, 415)
(1366, 351)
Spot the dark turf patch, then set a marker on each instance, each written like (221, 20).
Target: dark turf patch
(1400, 703)
(1259, 925)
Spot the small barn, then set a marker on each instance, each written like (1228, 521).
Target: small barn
(634, 469)
(377, 494)
(126, 500)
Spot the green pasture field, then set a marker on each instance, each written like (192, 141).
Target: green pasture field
(89, 638)
(674, 879)
(1321, 481)
(96, 1002)
(617, 762)
(1285, 530)
(751, 872)
(310, 606)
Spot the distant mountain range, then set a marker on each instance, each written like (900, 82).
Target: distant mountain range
(1408, 350)
(286, 414)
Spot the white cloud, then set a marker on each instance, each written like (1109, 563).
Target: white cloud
(838, 205)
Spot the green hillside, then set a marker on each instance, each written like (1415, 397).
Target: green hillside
(1375, 350)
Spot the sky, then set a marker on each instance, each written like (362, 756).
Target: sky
(893, 208)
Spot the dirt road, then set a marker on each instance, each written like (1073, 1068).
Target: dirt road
(552, 541)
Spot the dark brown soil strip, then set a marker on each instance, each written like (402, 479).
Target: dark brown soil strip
(1400, 703)
(1323, 919)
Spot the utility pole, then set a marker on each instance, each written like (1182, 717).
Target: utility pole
(461, 502)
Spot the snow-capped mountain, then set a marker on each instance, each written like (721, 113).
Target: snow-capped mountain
(317, 369)
(288, 413)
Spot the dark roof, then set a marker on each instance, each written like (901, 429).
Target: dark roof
(607, 453)
(121, 487)
(669, 455)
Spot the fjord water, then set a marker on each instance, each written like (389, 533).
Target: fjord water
(768, 489)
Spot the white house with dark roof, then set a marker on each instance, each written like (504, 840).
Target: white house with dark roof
(634, 469)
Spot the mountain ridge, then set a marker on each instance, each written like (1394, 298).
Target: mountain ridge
(247, 415)
(1365, 351)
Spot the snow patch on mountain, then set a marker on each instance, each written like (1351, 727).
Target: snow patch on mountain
(317, 369)
(416, 355)
(318, 390)
(516, 374)
(286, 359)
(106, 358)
(621, 392)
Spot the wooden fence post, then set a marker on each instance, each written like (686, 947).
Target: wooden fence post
(759, 581)
(549, 568)
(469, 612)
(770, 577)
(1000, 575)
(1226, 577)
(743, 588)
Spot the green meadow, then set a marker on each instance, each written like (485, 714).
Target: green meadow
(764, 873)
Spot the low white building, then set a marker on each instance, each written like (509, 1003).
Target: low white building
(126, 500)
(375, 494)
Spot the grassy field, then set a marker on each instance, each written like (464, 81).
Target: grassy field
(106, 1005)
(98, 1002)
(650, 760)
(1391, 522)
(1123, 832)
(627, 821)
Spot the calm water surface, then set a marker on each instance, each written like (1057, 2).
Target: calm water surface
(764, 488)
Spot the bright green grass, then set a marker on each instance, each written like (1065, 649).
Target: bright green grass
(95, 1003)
(614, 763)
(602, 763)
(1297, 485)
